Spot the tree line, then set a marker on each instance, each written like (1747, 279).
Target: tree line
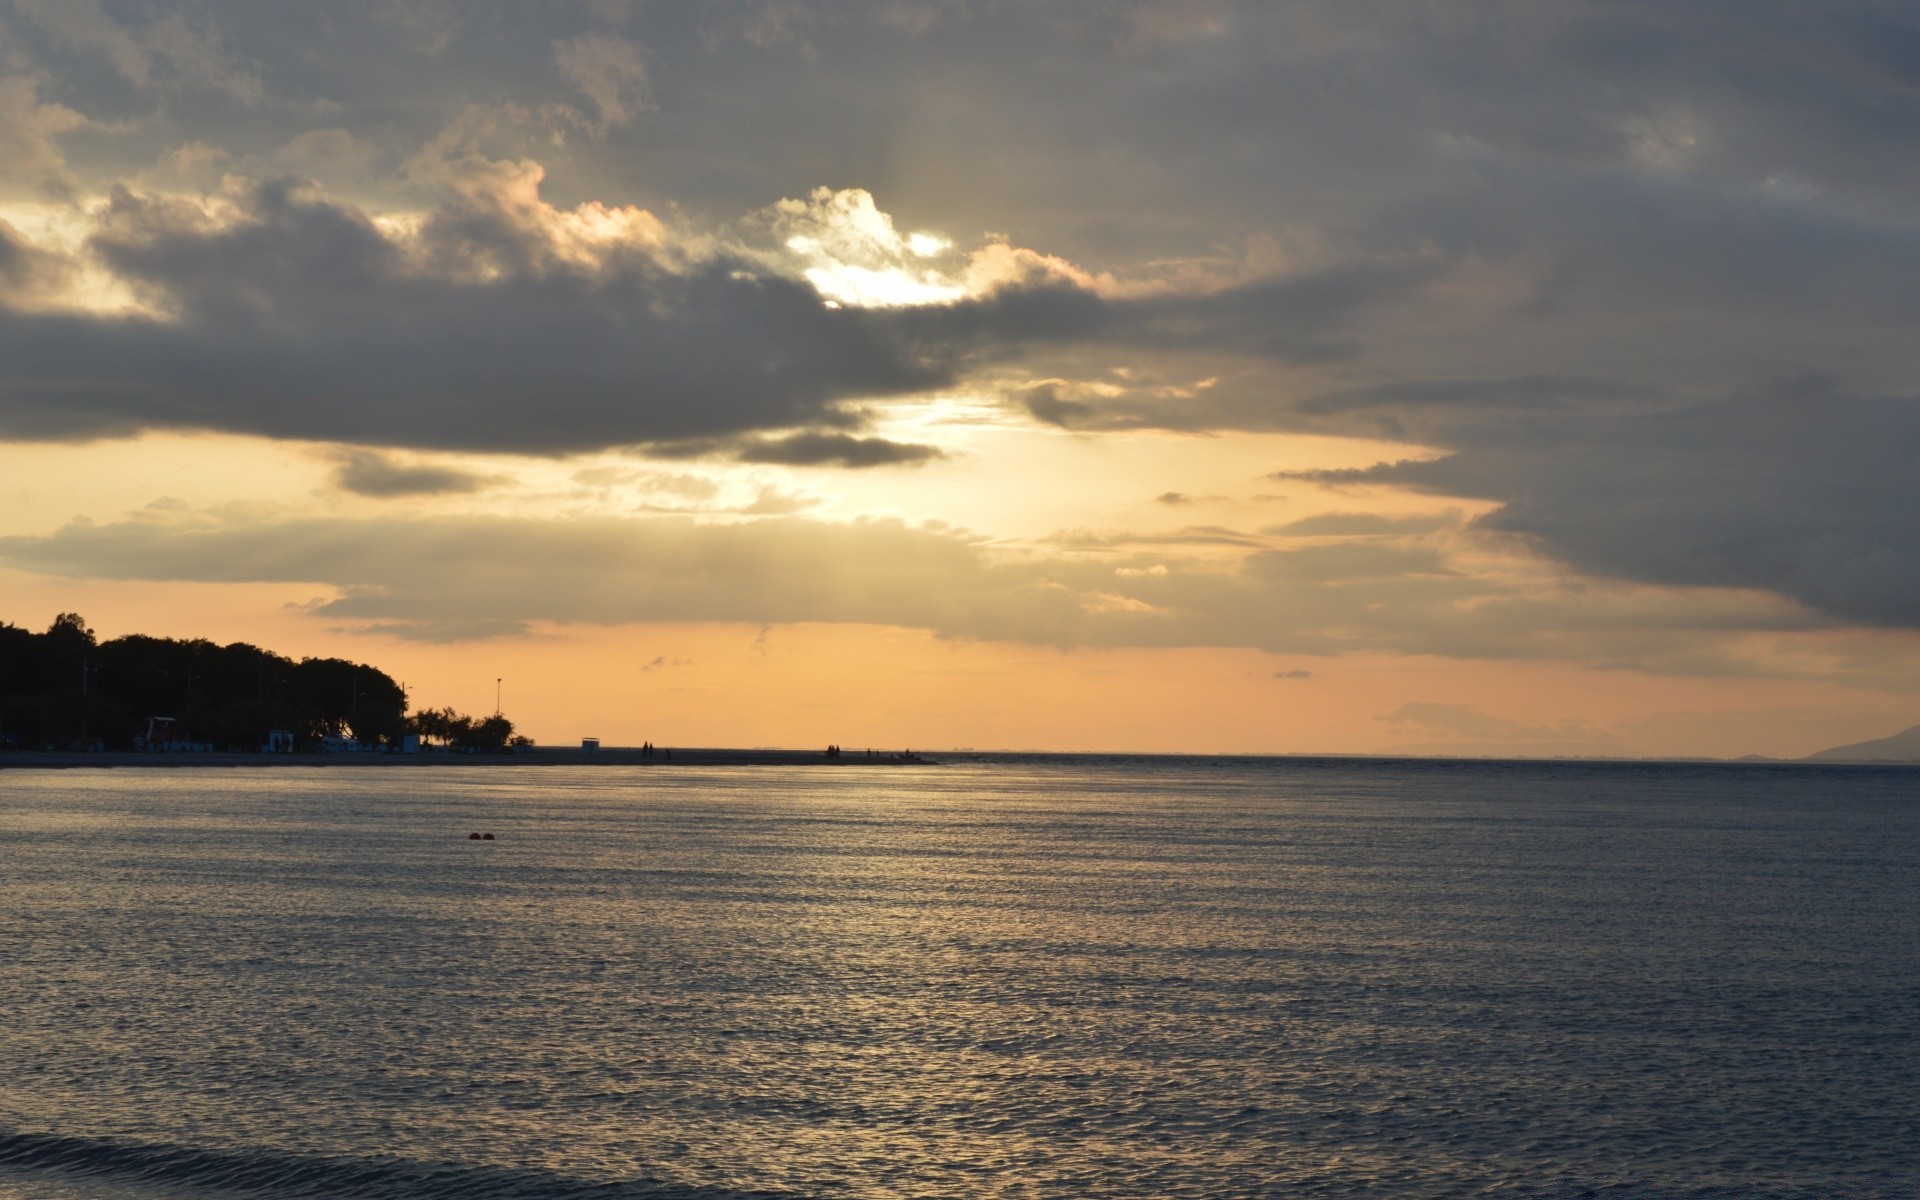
(65, 688)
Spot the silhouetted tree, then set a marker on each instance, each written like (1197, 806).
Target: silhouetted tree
(230, 696)
(459, 730)
(436, 725)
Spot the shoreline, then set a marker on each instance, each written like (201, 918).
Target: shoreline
(62, 760)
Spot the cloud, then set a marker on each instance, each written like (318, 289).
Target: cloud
(429, 27)
(1799, 490)
(609, 71)
(1358, 524)
(1527, 393)
(654, 491)
(447, 576)
(1296, 319)
(500, 324)
(1046, 403)
(452, 572)
(332, 155)
(191, 55)
(371, 473)
(28, 274)
(837, 450)
(850, 251)
(442, 633)
(1191, 536)
(83, 25)
(808, 448)
(30, 128)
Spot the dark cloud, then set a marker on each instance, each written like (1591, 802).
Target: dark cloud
(370, 473)
(1301, 318)
(1108, 128)
(27, 272)
(1528, 393)
(1801, 490)
(302, 319)
(837, 450)
(290, 315)
(808, 448)
(1044, 401)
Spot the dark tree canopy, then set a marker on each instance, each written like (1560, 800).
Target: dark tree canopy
(64, 688)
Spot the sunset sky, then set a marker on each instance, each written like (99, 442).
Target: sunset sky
(1505, 378)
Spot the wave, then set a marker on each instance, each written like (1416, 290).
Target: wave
(277, 1174)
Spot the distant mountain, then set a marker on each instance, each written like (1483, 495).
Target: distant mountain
(1901, 747)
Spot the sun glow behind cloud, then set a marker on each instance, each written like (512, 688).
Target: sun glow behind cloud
(851, 253)
(77, 280)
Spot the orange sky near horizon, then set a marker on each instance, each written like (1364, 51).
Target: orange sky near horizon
(739, 685)
(734, 683)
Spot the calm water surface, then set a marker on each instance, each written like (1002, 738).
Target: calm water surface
(991, 978)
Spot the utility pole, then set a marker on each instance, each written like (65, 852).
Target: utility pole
(496, 696)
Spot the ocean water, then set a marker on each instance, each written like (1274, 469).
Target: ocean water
(995, 977)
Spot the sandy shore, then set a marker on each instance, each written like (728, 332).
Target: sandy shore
(533, 757)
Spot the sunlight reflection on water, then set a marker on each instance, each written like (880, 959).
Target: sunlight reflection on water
(1153, 978)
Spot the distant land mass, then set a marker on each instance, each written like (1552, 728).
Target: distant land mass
(1902, 747)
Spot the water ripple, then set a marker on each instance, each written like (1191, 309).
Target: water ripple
(265, 1173)
(995, 980)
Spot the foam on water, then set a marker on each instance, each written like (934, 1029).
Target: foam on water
(995, 978)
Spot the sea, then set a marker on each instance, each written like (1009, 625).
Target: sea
(988, 976)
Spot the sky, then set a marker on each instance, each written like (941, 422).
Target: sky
(1347, 376)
